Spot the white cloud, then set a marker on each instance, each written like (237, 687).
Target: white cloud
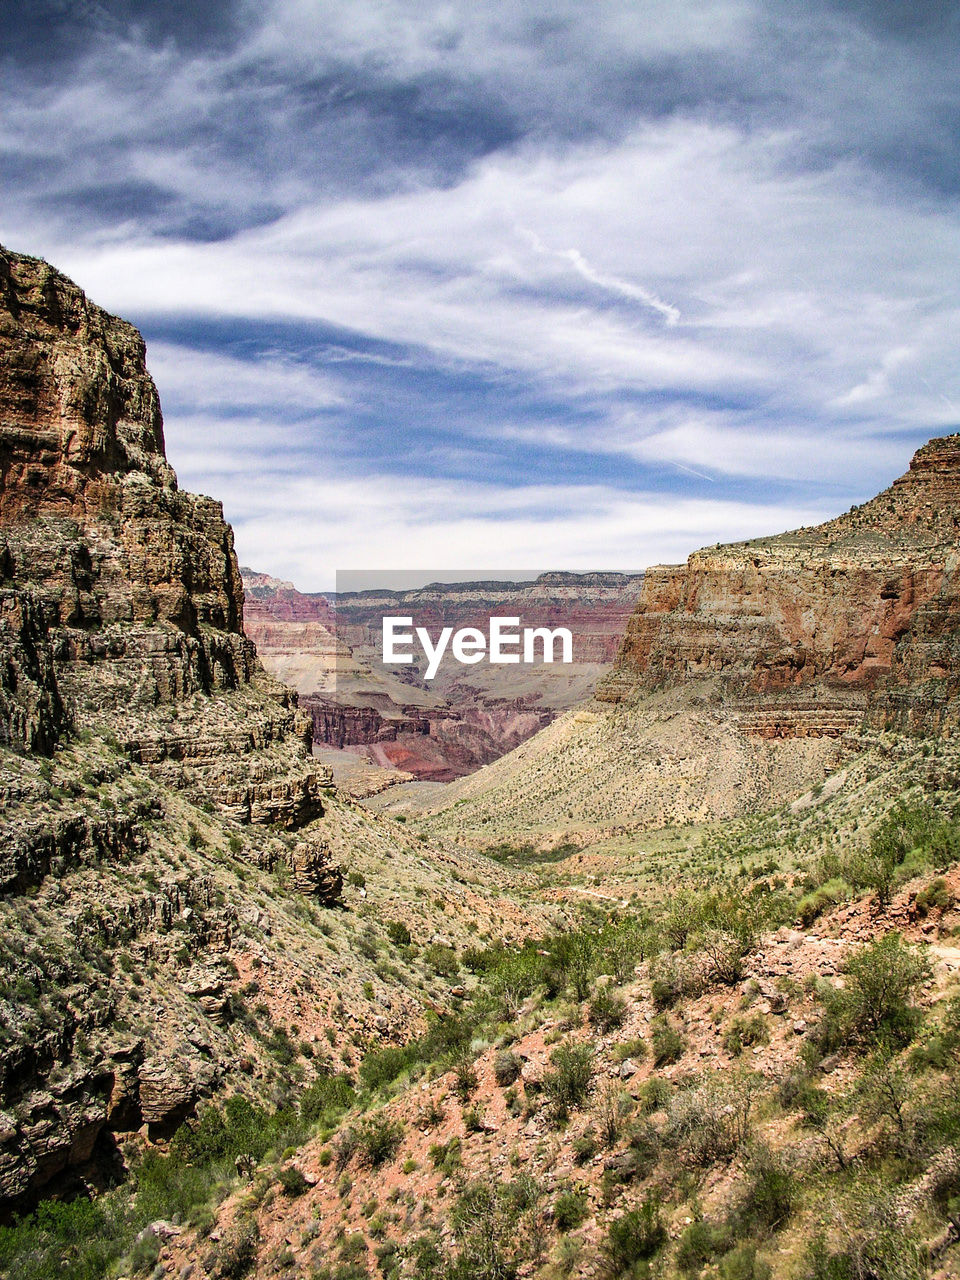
(306, 529)
(206, 380)
(718, 280)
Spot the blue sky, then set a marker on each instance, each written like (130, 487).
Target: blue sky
(504, 283)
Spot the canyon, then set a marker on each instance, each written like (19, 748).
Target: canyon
(329, 648)
(587, 949)
(745, 675)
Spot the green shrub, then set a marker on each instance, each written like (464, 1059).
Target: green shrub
(656, 1095)
(813, 904)
(666, 984)
(743, 1033)
(326, 1099)
(586, 1145)
(495, 1228)
(867, 1241)
(442, 960)
(465, 1078)
(700, 1243)
(635, 1048)
(382, 1066)
(292, 1181)
(722, 954)
(743, 1263)
(378, 1139)
(768, 1194)
(567, 1085)
(710, 1120)
(634, 1237)
(399, 934)
(876, 1002)
(238, 1250)
(607, 1010)
(570, 1209)
(506, 1068)
(935, 896)
(666, 1042)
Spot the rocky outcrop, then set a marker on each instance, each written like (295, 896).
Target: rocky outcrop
(131, 705)
(820, 630)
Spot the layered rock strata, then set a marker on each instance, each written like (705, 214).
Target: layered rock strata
(126, 681)
(851, 623)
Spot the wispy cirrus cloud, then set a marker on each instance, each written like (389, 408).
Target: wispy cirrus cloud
(687, 258)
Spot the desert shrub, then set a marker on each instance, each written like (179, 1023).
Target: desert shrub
(382, 1066)
(506, 1068)
(465, 1079)
(827, 895)
(569, 964)
(614, 1107)
(666, 982)
(238, 1250)
(742, 1033)
(666, 1042)
(934, 896)
(877, 1001)
(684, 916)
(643, 1139)
(378, 1139)
(622, 944)
(445, 1155)
(909, 838)
(326, 1099)
(607, 1010)
(700, 1243)
(292, 1181)
(636, 1049)
(566, 1086)
(445, 1039)
(442, 960)
(710, 1120)
(570, 1209)
(398, 933)
(885, 1091)
(656, 1095)
(586, 1145)
(721, 954)
(743, 1263)
(497, 1228)
(867, 1241)
(633, 1238)
(767, 1195)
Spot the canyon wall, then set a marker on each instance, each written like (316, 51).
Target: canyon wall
(851, 623)
(137, 728)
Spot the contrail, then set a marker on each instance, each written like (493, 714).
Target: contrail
(626, 289)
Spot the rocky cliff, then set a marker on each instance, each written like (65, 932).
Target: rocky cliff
(169, 848)
(823, 629)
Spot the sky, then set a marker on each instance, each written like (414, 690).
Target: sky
(584, 285)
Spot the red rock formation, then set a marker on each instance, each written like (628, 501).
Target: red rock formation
(121, 609)
(814, 630)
